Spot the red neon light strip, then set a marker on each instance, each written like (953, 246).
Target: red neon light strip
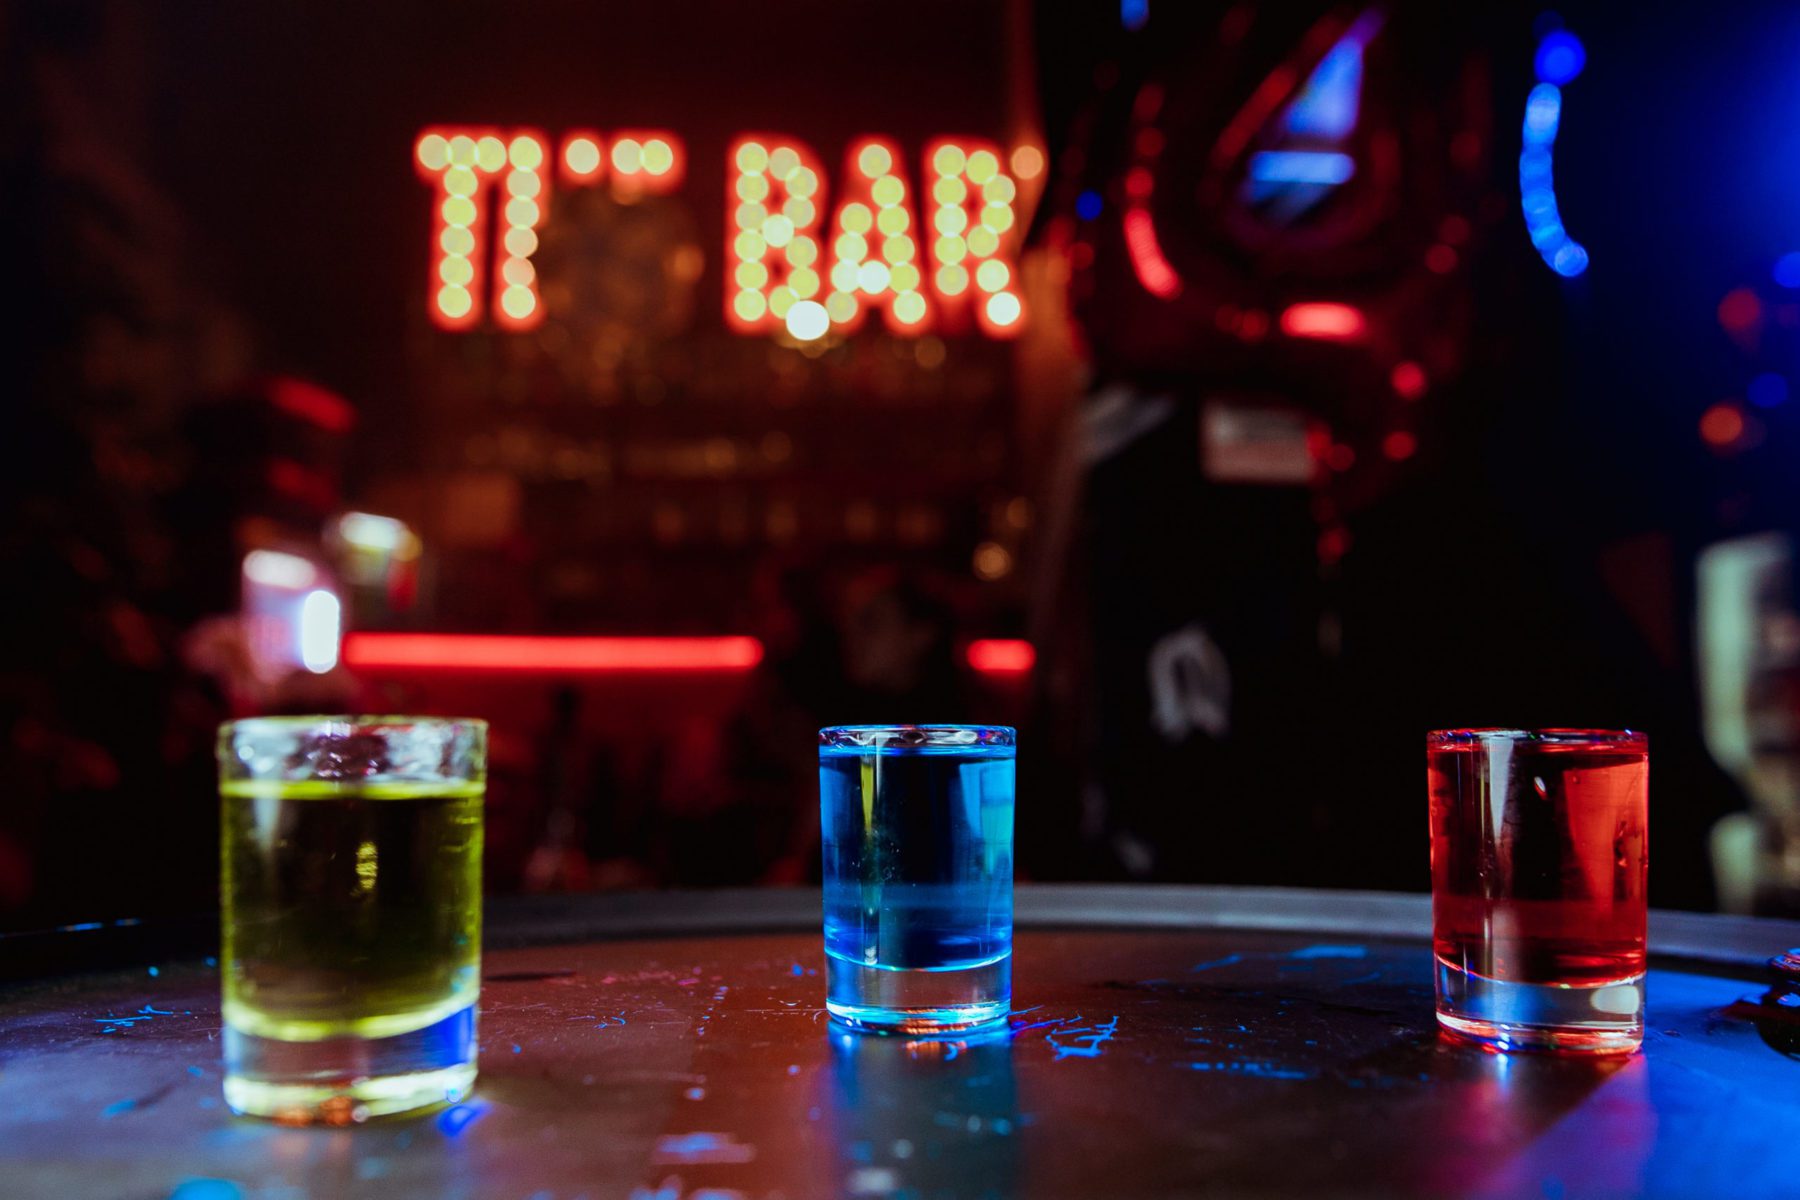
(1001, 656)
(530, 655)
(1147, 261)
(521, 655)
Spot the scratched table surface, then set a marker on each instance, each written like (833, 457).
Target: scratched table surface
(1165, 1042)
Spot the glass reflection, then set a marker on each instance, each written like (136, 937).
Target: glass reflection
(934, 1117)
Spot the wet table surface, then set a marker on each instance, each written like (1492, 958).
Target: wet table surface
(1165, 1042)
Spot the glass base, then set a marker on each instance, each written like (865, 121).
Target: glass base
(1601, 1018)
(342, 1081)
(919, 1002)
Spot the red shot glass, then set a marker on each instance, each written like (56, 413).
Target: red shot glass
(1538, 867)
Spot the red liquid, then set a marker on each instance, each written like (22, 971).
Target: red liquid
(1538, 860)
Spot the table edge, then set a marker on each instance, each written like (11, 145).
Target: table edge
(1706, 938)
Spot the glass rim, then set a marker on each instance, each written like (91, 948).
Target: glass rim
(373, 721)
(1551, 736)
(891, 738)
(339, 753)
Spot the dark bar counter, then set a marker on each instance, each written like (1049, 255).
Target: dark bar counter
(1165, 1042)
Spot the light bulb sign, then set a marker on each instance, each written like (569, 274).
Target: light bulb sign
(793, 265)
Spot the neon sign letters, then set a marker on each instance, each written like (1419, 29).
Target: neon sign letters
(939, 257)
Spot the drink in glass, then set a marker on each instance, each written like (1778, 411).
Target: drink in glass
(351, 890)
(1538, 864)
(918, 833)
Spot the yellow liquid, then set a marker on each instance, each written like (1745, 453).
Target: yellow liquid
(349, 909)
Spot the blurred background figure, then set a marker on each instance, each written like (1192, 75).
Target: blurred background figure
(1366, 435)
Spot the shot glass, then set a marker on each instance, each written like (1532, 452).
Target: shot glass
(351, 895)
(917, 825)
(1538, 865)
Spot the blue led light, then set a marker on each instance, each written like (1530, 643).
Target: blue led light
(1301, 166)
(1134, 14)
(1560, 57)
(1569, 260)
(1787, 270)
(1543, 113)
(1767, 390)
(1537, 183)
(1287, 181)
(1327, 107)
(1087, 205)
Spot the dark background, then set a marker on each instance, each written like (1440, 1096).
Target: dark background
(201, 202)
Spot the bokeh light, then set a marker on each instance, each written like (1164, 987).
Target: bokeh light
(581, 155)
(462, 166)
(434, 152)
(526, 153)
(974, 207)
(527, 184)
(807, 320)
(1787, 270)
(773, 233)
(454, 301)
(1722, 426)
(1003, 308)
(874, 211)
(1767, 390)
(1408, 380)
(875, 160)
(658, 156)
(751, 157)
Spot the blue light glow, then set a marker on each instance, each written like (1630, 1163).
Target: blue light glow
(1284, 184)
(1301, 166)
(1087, 205)
(1560, 57)
(458, 1117)
(1537, 184)
(206, 1189)
(1134, 14)
(1767, 390)
(1327, 108)
(1787, 270)
(1569, 260)
(1543, 112)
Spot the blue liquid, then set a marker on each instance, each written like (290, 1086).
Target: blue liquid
(918, 857)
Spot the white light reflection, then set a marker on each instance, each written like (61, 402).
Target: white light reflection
(370, 531)
(320, 630)
(272, 568)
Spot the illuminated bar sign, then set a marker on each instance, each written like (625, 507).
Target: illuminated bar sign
(791, 271)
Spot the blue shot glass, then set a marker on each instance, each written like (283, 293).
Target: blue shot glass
(917, 825)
